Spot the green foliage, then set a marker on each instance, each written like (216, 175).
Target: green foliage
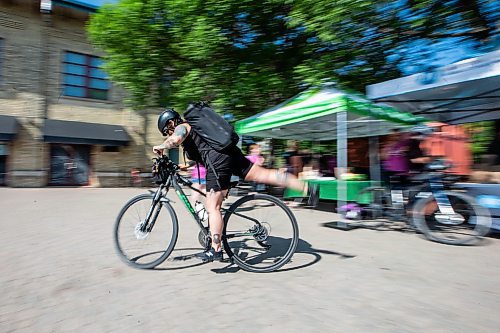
(482, 134)
(246, 55)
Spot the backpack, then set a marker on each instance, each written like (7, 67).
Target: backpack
(210, 126)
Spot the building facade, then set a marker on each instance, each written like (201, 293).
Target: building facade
(62, 122)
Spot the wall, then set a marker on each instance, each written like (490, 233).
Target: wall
(30, 90)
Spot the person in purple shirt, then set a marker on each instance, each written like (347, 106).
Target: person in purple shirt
(395, 162)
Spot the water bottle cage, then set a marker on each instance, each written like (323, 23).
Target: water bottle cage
(201, 211)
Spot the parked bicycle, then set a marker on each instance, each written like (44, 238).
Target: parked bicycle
(437, 210)
(260, 232)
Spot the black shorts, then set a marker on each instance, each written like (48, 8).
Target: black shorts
(224, 165)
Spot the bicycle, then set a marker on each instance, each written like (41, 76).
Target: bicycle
(150, 223)
(442, 214)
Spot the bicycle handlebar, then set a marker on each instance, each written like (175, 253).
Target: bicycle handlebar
(439, 164)
(163, 167)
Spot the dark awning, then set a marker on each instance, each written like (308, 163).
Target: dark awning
(463, 92)
(75, 132)
(8, 128)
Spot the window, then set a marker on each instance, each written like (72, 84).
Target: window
(110, 149)
(82, 77)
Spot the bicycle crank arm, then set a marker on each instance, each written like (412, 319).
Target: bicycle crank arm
(239, 235)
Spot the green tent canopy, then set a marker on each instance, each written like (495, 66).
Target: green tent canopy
(312, 115)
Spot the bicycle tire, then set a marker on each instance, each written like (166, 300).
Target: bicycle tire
(475, 216)
(278, 250)
(166, 249)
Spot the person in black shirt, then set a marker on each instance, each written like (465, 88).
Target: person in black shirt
(220, 166)
(416, 156)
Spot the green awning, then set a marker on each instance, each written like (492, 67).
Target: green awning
(312, 115)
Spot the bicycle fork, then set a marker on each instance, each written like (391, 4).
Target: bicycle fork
(148, 223)
(447, 214)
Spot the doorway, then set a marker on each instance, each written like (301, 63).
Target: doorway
(69, 165)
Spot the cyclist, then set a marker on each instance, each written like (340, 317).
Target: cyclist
(220, 167)
(416, 155)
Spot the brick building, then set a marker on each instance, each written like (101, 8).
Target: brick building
(61, 121)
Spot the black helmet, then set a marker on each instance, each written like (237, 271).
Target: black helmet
(165, 117)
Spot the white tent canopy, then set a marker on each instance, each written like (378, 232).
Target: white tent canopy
(466, 91)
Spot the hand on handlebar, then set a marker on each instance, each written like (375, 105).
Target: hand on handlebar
(159, 149)
(183, 167)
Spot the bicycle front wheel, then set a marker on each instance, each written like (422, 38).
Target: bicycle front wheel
(463, 225)
(260, 233)
(145, 247)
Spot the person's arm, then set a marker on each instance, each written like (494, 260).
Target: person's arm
(417, 155)
(180, 134)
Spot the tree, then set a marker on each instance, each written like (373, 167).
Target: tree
(371, 40)
(247, 55)
(239, 54)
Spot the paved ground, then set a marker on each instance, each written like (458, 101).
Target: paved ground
(59, 273)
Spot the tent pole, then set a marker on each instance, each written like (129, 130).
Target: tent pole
(341, 157)
(373, 143)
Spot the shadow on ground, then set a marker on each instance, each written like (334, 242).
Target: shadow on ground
(399, 226)
(303, 247)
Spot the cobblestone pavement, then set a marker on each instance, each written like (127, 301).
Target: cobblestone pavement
(60, 273)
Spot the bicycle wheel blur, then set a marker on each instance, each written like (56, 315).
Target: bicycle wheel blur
(147, 247)
(463, 225)
(260, 233)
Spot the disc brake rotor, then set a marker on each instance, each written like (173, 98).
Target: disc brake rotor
(138, 233)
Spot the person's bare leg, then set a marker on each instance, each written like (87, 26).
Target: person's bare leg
(275, 177)
(195, 196)
(213, 205)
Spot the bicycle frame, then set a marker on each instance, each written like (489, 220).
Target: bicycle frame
(159, 197)
(174, 180)
(436, 189)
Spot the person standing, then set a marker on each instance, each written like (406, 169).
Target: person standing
(395, 162)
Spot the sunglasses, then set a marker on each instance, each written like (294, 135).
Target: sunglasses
(169, 129)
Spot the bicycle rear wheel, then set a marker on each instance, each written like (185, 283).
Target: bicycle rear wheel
(145, 249)
(469, 222)
(260, 233)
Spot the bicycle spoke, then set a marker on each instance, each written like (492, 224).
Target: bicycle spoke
(264, 237)
(139, 248)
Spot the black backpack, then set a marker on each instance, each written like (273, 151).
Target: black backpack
(210, 126)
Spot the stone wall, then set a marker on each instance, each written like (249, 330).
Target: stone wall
(33, 48)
